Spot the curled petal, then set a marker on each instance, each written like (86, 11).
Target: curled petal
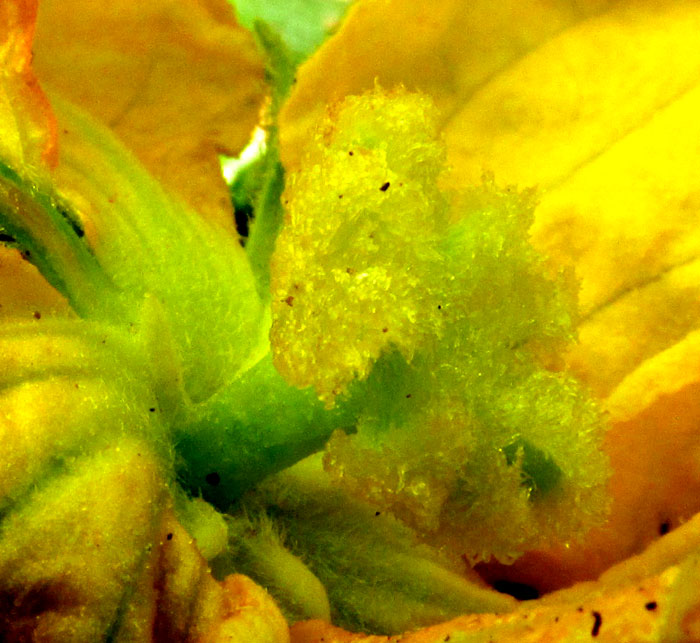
(27, 125)
(178, 82)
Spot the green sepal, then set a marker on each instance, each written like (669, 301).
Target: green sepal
(377, 574)
(266, 222)
(267, 209)
(302, 24)
(258, 549)
(280, 66)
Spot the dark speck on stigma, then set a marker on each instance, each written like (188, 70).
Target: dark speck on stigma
(213, 478)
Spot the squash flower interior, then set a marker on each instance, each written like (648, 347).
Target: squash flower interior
(371, 393)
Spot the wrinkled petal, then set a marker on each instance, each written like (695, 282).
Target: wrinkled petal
(635, 326)
(178, 82)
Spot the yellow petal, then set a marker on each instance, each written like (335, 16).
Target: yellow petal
(602, 117)
(24, 293)
(178, 82)
(594, 103)
(617, 338)
(446, 49)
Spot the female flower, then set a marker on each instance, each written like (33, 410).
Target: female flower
(162, 369)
